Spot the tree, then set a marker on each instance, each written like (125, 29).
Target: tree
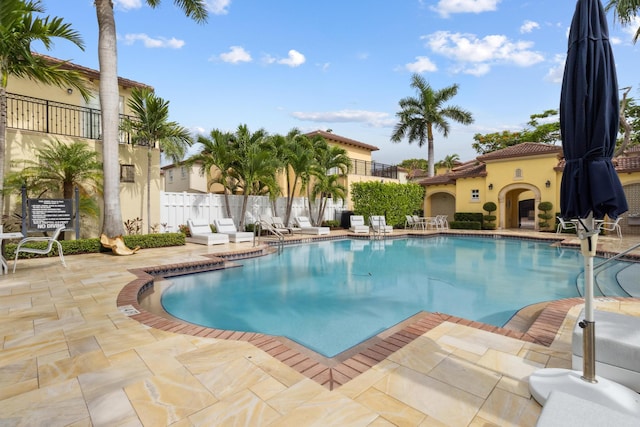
(419, 117)
(151, 126)
(629, 123)
(449, 162)
(109, 96)
(414, 166)
(298, 161)
(330, 164)
(58, 169)
(625, 11)
(254, 164)
(19, 27)
(547, 132)
(217, 152)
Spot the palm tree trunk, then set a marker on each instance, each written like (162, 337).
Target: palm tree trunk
(149, 189)
(3, 141)
(112, 224)
(245, 200)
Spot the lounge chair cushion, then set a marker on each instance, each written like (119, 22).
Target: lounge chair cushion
(202, 234)
(226, 226)
(617, 338)
(566, 410)
(306, 227)
(358, 225)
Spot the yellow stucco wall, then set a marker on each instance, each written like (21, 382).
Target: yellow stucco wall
(133, 195)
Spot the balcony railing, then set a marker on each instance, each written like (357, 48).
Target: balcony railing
(362, 167)
(41, 115)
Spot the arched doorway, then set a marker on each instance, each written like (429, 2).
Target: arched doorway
(441, 203)
(511, 199)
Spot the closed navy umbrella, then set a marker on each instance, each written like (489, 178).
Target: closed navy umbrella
(590, 189)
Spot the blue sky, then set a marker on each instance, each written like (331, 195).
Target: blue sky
(344, 65)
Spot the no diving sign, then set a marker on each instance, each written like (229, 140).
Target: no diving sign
(49, 214)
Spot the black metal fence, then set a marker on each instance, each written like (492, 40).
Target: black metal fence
(362, 167)
(41, 115)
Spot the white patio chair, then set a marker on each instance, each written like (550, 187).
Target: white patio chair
(40, 251)
(565, 225)
(612, 226)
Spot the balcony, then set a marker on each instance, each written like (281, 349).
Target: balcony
(41, 115)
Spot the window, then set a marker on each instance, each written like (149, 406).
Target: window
(475, 195)
(183, 172)
(518, 174)
(170, 175)
(127, 173)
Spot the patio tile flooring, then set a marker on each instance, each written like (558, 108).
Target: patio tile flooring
(70, 356)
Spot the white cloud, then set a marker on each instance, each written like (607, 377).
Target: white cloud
(218, 7)
(151, 42)
(447, 7)
(632, 27)
(615, 40)
(127, 4)
(372, 118)
(529, 26)
(294, 59)
(556, 72)
(235, 55)
(421, 64)
(469, 51)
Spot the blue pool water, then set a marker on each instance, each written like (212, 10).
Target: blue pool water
(332, 295)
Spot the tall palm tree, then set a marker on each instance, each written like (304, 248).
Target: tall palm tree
(254, 164)
(151, 126)
(420, 116)
(19, 27)
(58, 169)
(217, 152)
(108, 58)
(626, 11)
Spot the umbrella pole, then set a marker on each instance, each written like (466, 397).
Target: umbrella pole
(588, 234)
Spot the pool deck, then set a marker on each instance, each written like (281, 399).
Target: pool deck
(73, 353)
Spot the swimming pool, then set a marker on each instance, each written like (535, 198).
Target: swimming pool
(332, 295)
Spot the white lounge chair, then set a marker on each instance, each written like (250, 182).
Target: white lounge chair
(565, 225)
(612, 226)
(306, 228)
(202, 235)
(41, 251)
(379, 224)
(357, 224)
(279, 224)
(226, 226)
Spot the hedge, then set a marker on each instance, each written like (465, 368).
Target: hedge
(87, 246)
(390, 199)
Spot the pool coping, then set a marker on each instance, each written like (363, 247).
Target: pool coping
(329, 372)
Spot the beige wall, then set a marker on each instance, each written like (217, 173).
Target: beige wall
(184, 178)
(133, 195)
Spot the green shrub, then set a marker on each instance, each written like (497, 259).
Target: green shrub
(489, 219)
(87, 246)
(331, 223)
(545, 216)
(466, 225)
(392, 200)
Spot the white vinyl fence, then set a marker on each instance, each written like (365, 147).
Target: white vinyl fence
(177, 208)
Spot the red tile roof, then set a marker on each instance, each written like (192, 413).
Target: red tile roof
(524, 149)
(91, 73)
(341, 139)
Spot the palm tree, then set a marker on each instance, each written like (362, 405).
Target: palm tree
(109, 96)
(419, 116)
(151, 126)
(254, 164)
(331, 163)
(626, 11)
(298, 159)
(19, 27)
(58, 169)
(448, 162)
(216, 152)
